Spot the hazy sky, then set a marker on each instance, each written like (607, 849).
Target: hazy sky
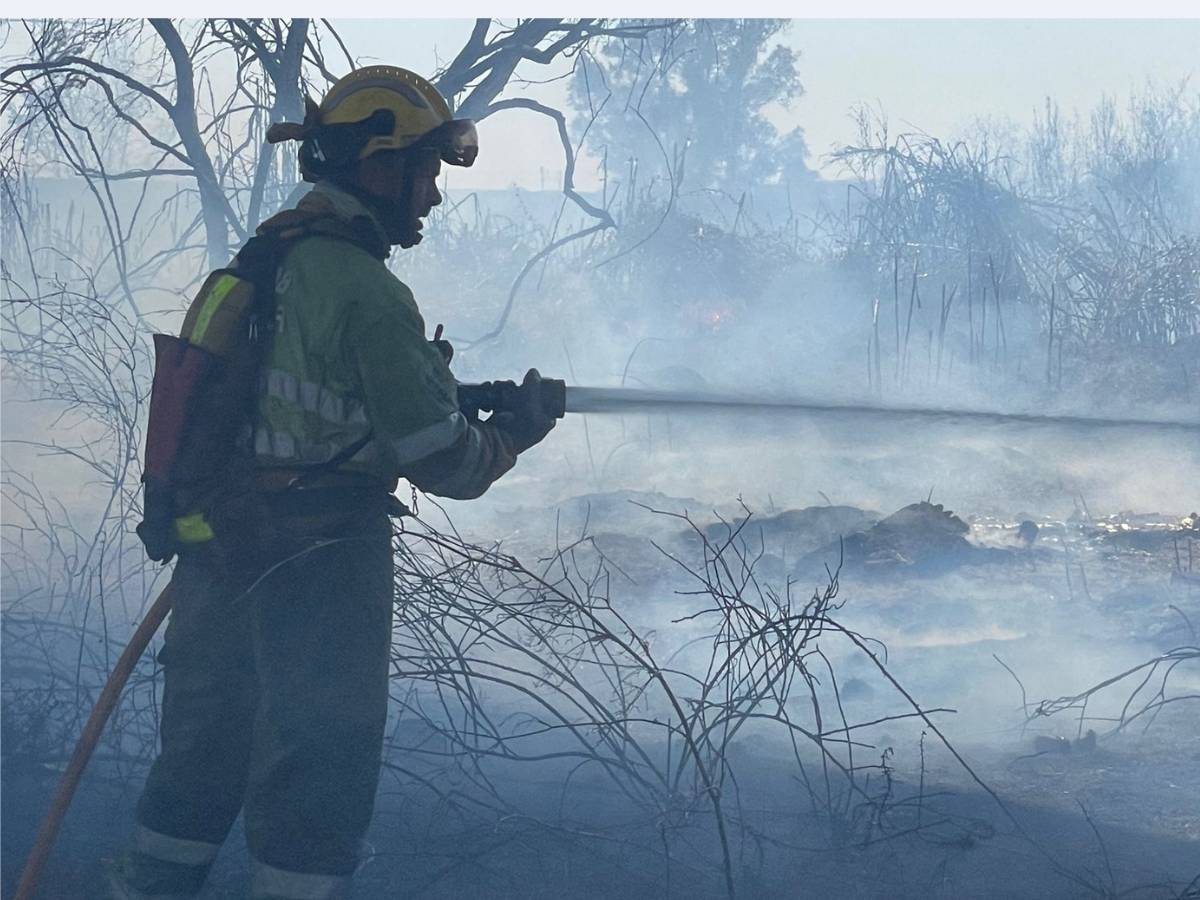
(933, 74)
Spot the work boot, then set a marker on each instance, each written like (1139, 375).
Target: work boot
(123, 874)
(269, 883)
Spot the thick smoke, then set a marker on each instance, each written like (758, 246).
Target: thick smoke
(769, 647)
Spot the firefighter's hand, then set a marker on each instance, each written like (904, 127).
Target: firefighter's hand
(524, 420)
(442, 346)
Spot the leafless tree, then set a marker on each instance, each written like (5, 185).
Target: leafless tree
(153, 86)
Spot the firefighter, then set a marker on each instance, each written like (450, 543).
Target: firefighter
(276, 694)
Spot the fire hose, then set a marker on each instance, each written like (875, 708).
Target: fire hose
(109, 696)
(555, 398)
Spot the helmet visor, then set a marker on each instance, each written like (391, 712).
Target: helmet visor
(456, 142)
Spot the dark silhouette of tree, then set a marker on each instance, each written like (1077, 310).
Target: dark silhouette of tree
(667, 113)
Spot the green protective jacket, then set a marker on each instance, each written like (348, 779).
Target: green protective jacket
(349, 357)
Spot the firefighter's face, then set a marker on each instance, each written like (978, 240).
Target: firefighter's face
(406, 186)
(423, 171)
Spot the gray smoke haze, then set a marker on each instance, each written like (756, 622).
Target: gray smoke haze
(997, 280)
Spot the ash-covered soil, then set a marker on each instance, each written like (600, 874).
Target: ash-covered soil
(982, 614)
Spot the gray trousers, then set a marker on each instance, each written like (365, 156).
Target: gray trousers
(274, 702)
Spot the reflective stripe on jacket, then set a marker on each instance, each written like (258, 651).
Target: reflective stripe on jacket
(349, 355)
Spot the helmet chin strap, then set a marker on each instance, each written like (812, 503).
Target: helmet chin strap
(399, 218)
(401, 222)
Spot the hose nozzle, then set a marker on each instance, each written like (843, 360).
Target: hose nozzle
(550, 395)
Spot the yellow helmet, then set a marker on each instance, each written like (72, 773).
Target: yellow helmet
(377, 108)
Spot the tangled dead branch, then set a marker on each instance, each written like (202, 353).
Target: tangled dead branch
(1151, 693)
(497, 664)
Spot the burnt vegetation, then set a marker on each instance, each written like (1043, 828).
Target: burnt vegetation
(655, 701)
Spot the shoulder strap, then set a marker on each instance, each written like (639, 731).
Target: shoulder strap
(293, 224)
(259, 260)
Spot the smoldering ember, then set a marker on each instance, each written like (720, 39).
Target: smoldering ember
(600, 458)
